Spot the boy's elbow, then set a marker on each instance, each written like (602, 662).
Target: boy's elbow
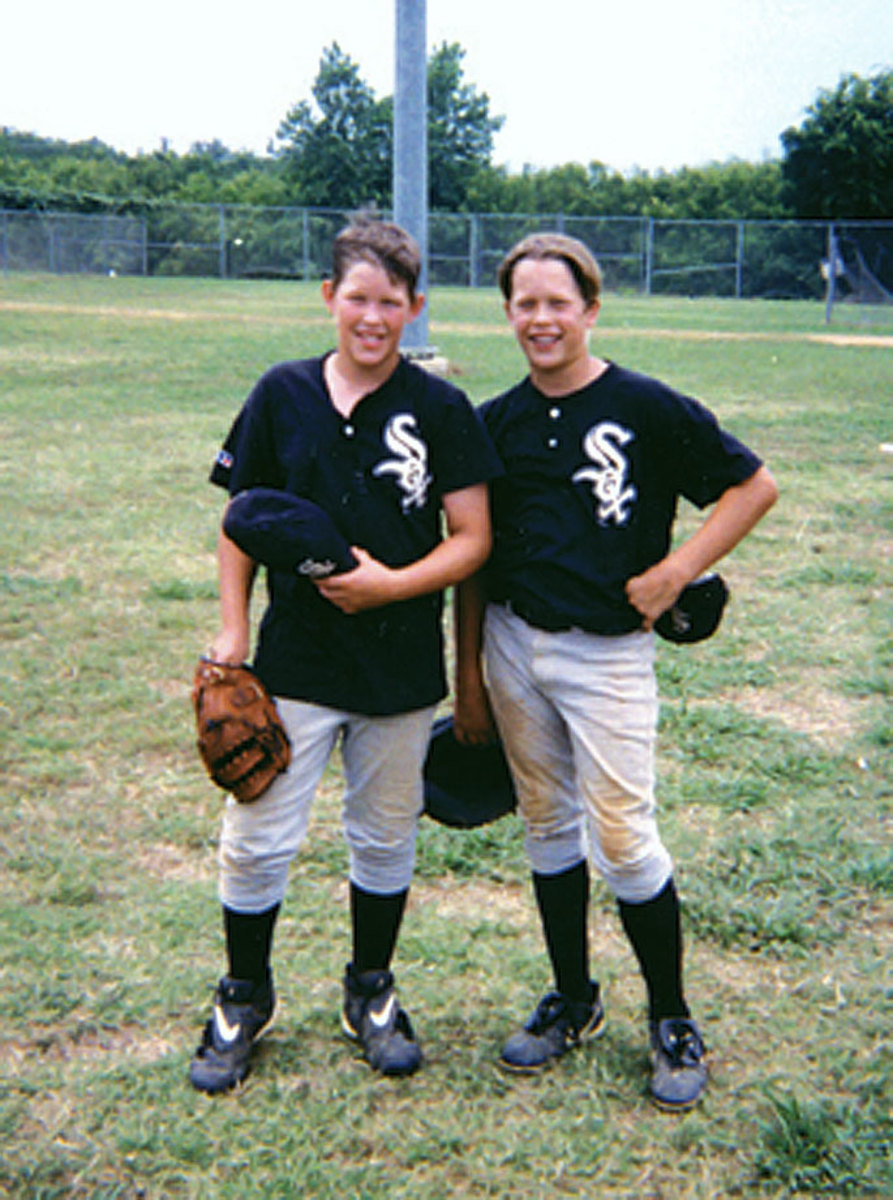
(480, 553)
(768, 489)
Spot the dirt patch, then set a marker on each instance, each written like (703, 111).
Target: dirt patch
(468, 329)
(851, 339)
(161, 314)
(825, 716)
(473, 900)
(485, 329)
(86, 1045)
(162, 860)
(729, 335)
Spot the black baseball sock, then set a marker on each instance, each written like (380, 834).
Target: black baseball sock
(655, 933)
(375, 921)
(563, 901)
(249, 940)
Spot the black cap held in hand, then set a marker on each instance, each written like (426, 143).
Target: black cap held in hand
(697, 612)
(287, 533)
(465, 786)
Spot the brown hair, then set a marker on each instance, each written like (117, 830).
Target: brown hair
(581, 264)
(382, 243)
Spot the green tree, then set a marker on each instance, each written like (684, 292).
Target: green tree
(733, 191)
(338, 153)
(839, 162)
(460, 129)
(77, 176)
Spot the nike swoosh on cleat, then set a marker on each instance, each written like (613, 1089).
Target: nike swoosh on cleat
(228, 1032)
(382, 1019)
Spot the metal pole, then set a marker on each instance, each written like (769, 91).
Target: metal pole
(51, 230)
(474, 252)
(832, 273)
(739, 261)
(649, 253)
(410, 165)
(221, 241)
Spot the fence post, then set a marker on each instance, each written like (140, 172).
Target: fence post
(474, 250)
(305, 243)
(221, 239)
(144, 229)
(51, 243)
(831, 268)
(649, 253)
(739, 261)
(4, 242)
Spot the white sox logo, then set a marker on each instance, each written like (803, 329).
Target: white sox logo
(608, 477)
(410, 464)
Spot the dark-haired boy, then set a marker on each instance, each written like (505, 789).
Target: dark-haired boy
(388, 451)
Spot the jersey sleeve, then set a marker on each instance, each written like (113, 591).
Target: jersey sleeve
(222, 470)
(462, 452)
(247, 457)
(710, 460)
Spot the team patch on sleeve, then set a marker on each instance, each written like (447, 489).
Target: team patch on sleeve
(224, 459)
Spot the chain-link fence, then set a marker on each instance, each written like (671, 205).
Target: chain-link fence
(73, 243)
(741, 259)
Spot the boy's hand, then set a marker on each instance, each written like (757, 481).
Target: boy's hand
(653, 592)
(368, 585)
(230, 647)
(473, 722)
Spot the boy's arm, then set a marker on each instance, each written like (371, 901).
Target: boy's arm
(472, 717)
(464, 549)
(733, 516)
(236, 572)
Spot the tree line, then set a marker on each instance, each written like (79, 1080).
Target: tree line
(334, 150)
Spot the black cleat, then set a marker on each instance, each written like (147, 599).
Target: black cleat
(373, 1017)
(679, 1074)
(243, 1012)
(557, 1025)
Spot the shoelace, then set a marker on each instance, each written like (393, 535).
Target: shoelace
(682, 1045)
(549, 1011)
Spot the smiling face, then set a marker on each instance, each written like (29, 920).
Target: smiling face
(371, 312)
(551, 321)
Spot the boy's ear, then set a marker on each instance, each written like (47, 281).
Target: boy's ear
(416, 306)
(592, 312)
(328, 292)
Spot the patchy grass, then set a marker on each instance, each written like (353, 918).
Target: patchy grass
(775, 794)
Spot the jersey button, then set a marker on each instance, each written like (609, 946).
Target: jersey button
(555, 413)
(349, 431)
(553, 443)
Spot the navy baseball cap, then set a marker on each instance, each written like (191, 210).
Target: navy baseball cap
(465, 786)
(697, 612)
(287, 533)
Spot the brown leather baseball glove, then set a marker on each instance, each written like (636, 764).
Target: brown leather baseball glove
(241, 738)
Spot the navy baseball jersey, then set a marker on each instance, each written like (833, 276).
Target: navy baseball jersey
(590, 493)
(380, 474)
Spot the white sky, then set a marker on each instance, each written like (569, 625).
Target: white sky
(635, 83)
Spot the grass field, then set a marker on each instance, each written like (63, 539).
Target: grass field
(775, 795)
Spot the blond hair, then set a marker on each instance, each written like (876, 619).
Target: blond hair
(538, 246)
